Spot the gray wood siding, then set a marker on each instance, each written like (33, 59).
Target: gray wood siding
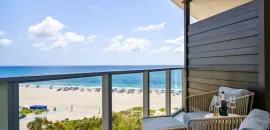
(223, 51)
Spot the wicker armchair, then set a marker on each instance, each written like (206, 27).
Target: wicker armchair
(220, 123)
(201, 103)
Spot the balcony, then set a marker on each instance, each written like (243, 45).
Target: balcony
(226, 48)
(10, 89)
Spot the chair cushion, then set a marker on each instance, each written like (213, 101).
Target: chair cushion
(213, 102)
(161, 123)
(192, 115)
(256, 120)
(232, 92)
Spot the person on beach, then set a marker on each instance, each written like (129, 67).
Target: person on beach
(71, 108)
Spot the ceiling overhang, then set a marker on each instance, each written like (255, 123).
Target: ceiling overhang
(202, 9)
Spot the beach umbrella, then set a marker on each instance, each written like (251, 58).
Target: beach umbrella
(25, 106)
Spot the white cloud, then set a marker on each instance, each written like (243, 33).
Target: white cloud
(150, 27)
(47, 29)
(133, 44)
(113, 47)
(50, 30)
(117, 38)
(5, 41)
(91, 39)
(178, 40)
(42, 46)
(2, 33)
(57, 44)
(162, 49)
(72, 37)
(128, 45)
(115, 43)
(179, 49)
(60, 44)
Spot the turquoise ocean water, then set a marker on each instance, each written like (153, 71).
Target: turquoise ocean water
(157, 79)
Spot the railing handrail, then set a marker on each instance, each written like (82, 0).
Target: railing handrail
(22, 79)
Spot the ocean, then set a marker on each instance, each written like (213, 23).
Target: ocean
(135, 80)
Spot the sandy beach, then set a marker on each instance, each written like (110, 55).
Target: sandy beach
(85, 104)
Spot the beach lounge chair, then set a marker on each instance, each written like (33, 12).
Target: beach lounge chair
(162, 91)
(129, 91)
(66, 89)
(122, 90)
(97, 89)
(75, 88)
(114, 90)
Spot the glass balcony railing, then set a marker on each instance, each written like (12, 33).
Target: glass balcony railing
(96, 100)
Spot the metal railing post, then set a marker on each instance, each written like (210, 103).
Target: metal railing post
(146, 93)
(9, 108)
(168, 92)
(107, 102)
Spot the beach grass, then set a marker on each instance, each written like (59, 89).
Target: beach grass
(26, 111)
(162, 109)
(29, 111)
(123, 120)
(176, 108)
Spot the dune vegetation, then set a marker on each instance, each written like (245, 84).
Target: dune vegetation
(124, 120)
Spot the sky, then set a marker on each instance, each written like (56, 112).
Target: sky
(96, 32)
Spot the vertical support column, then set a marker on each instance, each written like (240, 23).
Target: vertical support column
(266, 8)
(184, 89)
(107, 102)
(146, 93)
(185, 70)
(264, 52)
(168, 92)
(9, 108)
(15, 105)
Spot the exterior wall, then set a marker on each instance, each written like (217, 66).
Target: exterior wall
(4, 106)
(223, 50)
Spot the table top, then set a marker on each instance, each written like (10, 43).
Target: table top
(211, 115)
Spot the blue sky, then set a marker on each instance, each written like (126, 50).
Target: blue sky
(96, 32)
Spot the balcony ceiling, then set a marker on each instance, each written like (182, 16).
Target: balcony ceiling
(202, 9)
